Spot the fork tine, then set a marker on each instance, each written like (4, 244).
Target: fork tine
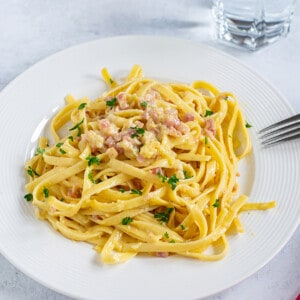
(283, 122)
(283, 129)
(285, 136)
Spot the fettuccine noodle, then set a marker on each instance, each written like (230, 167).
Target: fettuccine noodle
(148, 167)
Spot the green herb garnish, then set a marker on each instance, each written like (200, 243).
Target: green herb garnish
(126, 220)
(93, 160)
(111, 81)
(91, 178)
(58, 145)
(144, 104)
(206, 140)
(164, 216)
(216, 204)
(112, 102)
(62, 151)
(172, 181)
(208, 113)
(136, 192)
(40, 150)
(138, 131)
(187, 175)
(70, 137)
(31, 172)
(82, 106)
(77, 126)
(182, 227)
(166, 235)
(172, 241)
(28, 197)
(162, 177)
(248, 125)
(121, 190)
(45, 192)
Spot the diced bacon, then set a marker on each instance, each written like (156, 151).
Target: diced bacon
(210, 127)
(162, 254)
(73, 192)
(183, 128)
(157, 171)
(137, 183)
(112, 153)
(96, 217)
(188, 117)
(174, 132)
(171, 118)
(171, 121)
(110, 142)
(103, 124)
(140, 158)
(122, 101)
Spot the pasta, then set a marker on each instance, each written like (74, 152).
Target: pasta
(148, 167)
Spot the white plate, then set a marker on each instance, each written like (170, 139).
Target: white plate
(73, 268)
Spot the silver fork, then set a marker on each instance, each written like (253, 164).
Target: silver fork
(285, 130)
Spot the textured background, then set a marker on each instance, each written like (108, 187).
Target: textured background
(32, 30)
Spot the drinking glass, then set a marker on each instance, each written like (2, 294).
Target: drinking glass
(252, 24)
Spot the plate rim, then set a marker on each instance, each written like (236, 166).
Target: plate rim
(19, 77)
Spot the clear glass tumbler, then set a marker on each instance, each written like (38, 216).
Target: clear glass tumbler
(252, 24)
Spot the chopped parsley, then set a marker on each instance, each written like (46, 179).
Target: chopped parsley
(93, 160)
(136, 192)
(112, 102)
(208, 113)
(62, 151)
(82, 106)
(206, 140)
(164, 216)
(91, 178)
(172, 181)
(216, 204)
(121, 190)
(166, 235)
(248, 125)
(172, 241)
(126, 220)
(111, 81)
(144, 104)
(71, 138)
(31, 172)
(45, 192)
(182, 227)
(226, 98)
(77, 126)
(28, 197)
(187, 175)
(40, 150)
(162, 177)
(138, 131)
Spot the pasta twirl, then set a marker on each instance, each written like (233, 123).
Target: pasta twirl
(148, 167)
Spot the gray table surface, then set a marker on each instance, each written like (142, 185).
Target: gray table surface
(32, 30)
